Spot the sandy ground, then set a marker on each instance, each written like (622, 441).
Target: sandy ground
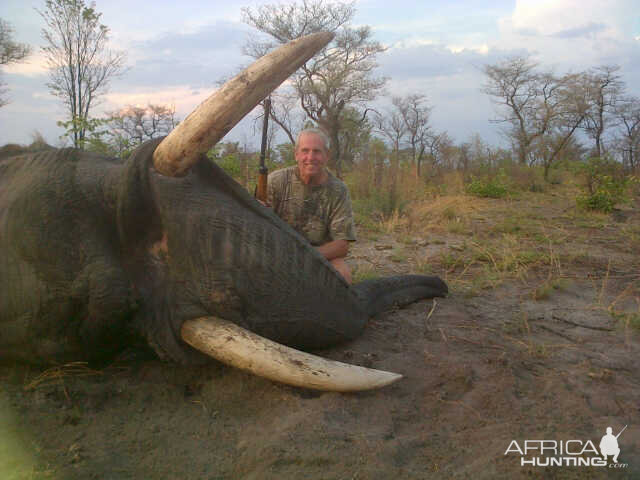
(480, 370)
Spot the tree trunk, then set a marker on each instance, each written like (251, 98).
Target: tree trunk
(335, 161)
(377, 170)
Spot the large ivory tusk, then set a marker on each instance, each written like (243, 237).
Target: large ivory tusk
(211, 121)
(238, 347)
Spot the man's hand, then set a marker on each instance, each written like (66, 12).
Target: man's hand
(334, 249)
(335, 252)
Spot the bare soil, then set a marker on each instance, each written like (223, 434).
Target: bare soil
(545, 352)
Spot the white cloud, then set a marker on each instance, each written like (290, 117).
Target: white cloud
(565, 18)
(481, 49)
(568, 34)
(33, 66)
(183, 97)
(542, 16)
(412, 42)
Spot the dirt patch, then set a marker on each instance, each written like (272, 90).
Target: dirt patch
(481, 368)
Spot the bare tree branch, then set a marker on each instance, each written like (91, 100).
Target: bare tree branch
(541, 110)
(10, 52)
(605, 88)
(337, 78)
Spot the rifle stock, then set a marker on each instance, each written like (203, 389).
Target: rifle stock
(261, 188)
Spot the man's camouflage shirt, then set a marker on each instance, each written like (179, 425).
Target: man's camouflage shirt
(321, 213)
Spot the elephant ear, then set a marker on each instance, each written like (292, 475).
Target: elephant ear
(213, 119)
(137, 218)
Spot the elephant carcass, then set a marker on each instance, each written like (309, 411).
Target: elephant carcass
(95, 252)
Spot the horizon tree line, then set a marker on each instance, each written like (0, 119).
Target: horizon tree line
(543, 115)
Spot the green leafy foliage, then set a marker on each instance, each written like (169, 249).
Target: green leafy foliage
(91, 132)
(489, 187)
(230, 163)
(606, 185)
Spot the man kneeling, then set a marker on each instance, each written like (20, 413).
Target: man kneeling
(313, 201)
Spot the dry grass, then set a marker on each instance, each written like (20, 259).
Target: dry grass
(535, 239)
(445, 214)
(540, 239)
(396, 223)
(625, 306)
(56, 375)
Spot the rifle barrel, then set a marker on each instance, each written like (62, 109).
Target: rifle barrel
(621, 431)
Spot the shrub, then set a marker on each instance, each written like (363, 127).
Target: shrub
(495, 187)
(605, 185)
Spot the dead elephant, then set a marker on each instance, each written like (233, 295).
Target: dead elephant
(167, 247)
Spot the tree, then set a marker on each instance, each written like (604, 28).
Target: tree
(133, 125)
(514, 84)
(391, 125)
(338, 77)
(439, 149)
(355, 133)
(378, 154)
(80, 63)
(543, 110)
(10, 52)
(604, 89)
(628, 114)
(415, 115)
(284, 113)
(564, 106)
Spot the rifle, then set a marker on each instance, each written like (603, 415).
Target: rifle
(625, 427)
(261, 188)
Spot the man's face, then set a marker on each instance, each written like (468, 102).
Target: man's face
(311, 156)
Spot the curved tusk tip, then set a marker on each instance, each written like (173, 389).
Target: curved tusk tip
(387, 379)
(241, 348)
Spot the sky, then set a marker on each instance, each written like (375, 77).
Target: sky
(178, 51)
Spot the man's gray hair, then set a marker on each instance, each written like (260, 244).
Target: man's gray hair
(315, 131)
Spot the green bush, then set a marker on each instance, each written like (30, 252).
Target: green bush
(606, 185)
(231, 165)
(606, 196)
(490, 187)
